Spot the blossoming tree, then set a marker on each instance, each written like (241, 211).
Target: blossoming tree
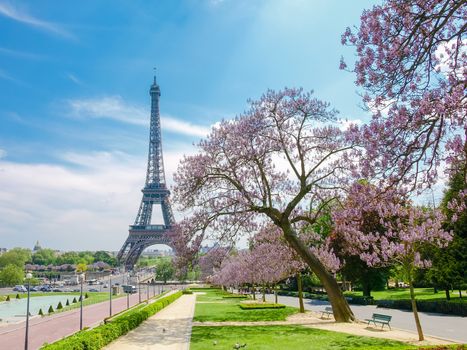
(281, 162)
(402, 233)
(411, 62)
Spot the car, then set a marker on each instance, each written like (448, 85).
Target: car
(45, 288)
(77, 290)
(34, 289)
(57, 290)
(116, 284)
(20, 288)
(106, 285)
(93, 290)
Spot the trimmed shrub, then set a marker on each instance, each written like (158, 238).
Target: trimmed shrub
(59, 306)
(235, 296)
(80, 297)
(67, 303)
(442, 307)
(51, 309)
(41, 313)
(74, 300)
(86, 295)
(7, 298)
(98, 337)
(253, 306)
(17, 296)
(187, 291)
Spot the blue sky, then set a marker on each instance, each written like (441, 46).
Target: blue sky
(74, 102)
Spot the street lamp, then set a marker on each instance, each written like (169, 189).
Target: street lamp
(139, 289)
(81, 277)
(28, 278)
(110, 293)
(147, 299)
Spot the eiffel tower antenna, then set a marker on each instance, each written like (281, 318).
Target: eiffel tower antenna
(143, 233)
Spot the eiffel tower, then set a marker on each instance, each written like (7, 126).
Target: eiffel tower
(142, 233)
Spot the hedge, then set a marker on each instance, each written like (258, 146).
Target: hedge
(443, 307)
(98, 337)
(252, 306)
(235, 296)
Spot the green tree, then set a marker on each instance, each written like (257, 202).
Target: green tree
(164, 269)
(44, 257)
(449, 267)
(11, 275)
(15, 256)
(105, 257)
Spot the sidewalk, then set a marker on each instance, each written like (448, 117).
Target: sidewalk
(169, 329)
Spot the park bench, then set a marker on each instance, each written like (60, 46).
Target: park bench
(327, 311)
(381, 319)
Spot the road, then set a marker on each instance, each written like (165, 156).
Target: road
(52, 328)
(438, 325)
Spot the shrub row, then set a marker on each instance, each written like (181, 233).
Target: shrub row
(98, 337)
(252, 306)
(235, 296)
(443, 307)
(306, 295)
(187, 291)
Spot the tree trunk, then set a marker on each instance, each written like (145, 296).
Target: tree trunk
(264, 293)
(448, 295)
(340, 307)
(254, 294)
(275, 294)
(415, 312)
(366, 288)
(460, 293)
(300, 292)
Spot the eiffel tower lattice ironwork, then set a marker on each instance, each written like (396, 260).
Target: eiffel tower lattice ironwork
(142, 233)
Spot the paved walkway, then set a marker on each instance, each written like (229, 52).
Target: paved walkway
(52, 328)
(169, 329)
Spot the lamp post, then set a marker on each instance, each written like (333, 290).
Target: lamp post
(147, 295)
(110, 294)
(26, 337)
(81, 277)
(139, 289)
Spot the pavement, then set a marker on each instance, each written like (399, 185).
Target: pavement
(169, 329)
(433, 324)
(51, 328)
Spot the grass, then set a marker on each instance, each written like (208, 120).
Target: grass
(213, 307)
(284, 337)
(404, 293)
(251, 306)
(94, 298)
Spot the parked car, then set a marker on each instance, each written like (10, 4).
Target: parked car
(20, 288)
(57, 290)
(106, 285)
(77, 290)
(129, 289)
(45, 288)
(93, 290)
(34, 289)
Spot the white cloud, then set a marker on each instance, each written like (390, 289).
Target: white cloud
(23, 17)
(114, 107)
(22, 54)
(74, 79)
(87, 204)
(2, 153)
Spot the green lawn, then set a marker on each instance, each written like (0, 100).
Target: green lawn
(213, 307)
(284, 338)
(404, 293)
(94, 298)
